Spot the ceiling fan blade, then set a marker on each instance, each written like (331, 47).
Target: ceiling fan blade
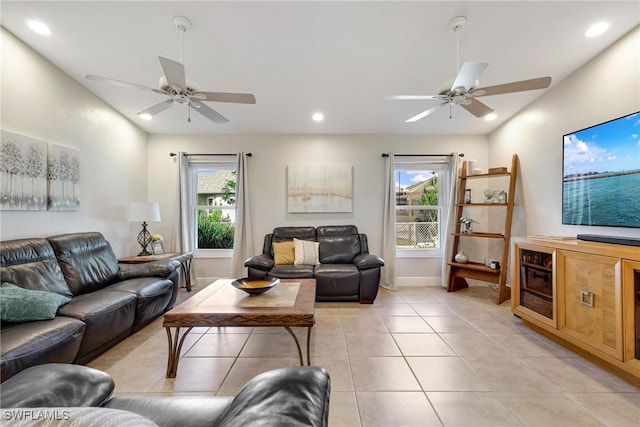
(477, 108)
(174, 73)
(425, 113)
(123, 84)
(468, 74)
(208, 112)
(539, 83)
(157, 108)
(238, 98)
(414, 97)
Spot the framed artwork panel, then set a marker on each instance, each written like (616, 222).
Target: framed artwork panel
(23, 172)
(63, 177)
(320, 188)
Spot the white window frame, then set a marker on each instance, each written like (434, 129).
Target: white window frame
(419, 163)
(223, 163)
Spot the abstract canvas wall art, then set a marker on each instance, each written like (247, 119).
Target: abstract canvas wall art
(319, 188)
(63, 175)
(23, 172)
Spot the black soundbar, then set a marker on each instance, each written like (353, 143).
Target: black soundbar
(631, 241)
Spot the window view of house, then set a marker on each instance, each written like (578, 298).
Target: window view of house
(215, 206)
(418, 209)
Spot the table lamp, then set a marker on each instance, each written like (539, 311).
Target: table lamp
(144, 211)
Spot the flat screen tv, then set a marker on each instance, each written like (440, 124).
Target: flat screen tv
(601, 174)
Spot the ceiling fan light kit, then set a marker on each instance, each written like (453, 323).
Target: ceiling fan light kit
(463, 92)
(173, 84)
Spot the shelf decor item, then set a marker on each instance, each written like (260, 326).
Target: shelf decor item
(489, 195)
(467, 196)
(144, 211)
(502, 197)
(465, 224)
(461, 257)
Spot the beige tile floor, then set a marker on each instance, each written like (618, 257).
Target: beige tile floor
(417, 357)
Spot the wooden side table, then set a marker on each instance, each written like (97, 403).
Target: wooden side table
(184, 258)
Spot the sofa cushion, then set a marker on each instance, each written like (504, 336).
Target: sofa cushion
(183, 411)
(337, 280)
(107, 314)
(59, 384)
(306, 252)
(152, 296)
(339, 249)
(33, 343)
(294, 396)
(32, 264)
(283, 253)
(87, 261)
(19, 305)
(336, 230)
(286, 234)
(292, 271)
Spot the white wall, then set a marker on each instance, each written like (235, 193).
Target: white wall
(41, 101)
(267, 174)
(605, 88)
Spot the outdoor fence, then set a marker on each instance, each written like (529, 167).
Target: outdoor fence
(417, 235)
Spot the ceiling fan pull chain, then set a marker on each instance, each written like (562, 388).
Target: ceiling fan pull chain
(188, 114)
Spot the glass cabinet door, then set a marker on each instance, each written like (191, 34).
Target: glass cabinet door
(631, 280)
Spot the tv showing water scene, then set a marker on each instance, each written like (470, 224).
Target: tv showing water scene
(601, 174)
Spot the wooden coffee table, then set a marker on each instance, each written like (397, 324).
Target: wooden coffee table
(289, 304)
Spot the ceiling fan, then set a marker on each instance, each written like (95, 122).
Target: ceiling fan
(173, 85)
(463, 93)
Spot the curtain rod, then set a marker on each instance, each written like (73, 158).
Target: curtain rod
(209, 154)
(421, 155)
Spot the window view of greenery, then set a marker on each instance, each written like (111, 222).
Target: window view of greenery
(216, 208)
(417, 209)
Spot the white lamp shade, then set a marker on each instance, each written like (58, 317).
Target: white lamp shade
(144, 211)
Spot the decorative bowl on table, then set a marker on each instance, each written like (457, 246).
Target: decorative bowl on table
(255, 285)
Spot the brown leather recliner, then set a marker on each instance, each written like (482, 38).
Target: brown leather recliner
(347, 271)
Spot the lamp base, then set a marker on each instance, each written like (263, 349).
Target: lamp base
(144, 238)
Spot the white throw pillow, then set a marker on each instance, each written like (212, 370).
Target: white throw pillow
(306, 252)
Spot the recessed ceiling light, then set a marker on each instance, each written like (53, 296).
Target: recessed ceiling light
(596, 29)
(145, 116)
(491, 117)
(39, 27)
(317, 117)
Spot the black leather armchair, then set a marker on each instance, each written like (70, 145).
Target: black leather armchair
(346, 272)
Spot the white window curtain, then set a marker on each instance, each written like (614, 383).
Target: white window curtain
(182, 222)
(243, 238)
(389, 271)
(449, 221)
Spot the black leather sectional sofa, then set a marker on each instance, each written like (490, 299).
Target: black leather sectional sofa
(108, 301)
(346, 270)
(75, 395)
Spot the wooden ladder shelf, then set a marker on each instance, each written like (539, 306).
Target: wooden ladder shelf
(477, 270)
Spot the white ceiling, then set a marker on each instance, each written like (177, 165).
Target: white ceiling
(338, 57)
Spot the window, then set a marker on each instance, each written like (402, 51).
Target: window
(421, 186)
(213, 202)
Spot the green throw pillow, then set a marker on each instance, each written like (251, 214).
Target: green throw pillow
(19, 305)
